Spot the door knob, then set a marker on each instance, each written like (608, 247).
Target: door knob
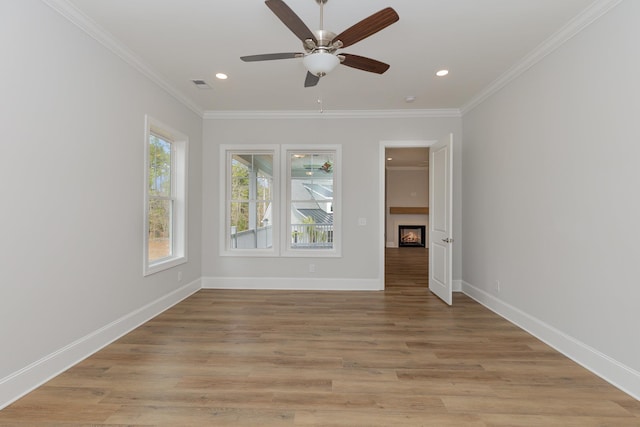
(447, 240)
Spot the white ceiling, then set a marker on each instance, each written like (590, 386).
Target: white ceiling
(477, 40)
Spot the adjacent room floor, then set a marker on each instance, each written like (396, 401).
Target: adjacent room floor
(398, 357)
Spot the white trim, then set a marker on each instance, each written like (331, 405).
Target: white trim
(291, 283)
(456, 285)
(337, 114)
(621, 376)
(575, 26)
(90, 27)
(27, 379)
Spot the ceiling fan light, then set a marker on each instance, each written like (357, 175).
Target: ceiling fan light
(320, 63)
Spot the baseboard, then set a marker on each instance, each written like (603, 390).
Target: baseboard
(292, 283)
(21, 382)
(619, 375)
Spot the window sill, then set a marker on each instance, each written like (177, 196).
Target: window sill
(166, 264)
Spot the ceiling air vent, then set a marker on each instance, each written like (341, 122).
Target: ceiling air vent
(201, 84)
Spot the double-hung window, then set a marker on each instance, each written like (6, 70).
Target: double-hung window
(165, 197)
(313, 203)
(250, 206)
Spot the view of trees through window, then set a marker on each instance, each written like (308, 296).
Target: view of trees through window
(160, 198)
(251, 197)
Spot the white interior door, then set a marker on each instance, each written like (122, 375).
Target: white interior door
(441, 218)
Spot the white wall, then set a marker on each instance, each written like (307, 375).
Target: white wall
(551, 195)
(406, 187)
(360, 139)
(71, 181)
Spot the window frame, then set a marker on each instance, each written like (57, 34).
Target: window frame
(179, 174)
(287, 249)
(227, 151)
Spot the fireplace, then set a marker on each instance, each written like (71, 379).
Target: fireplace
(411, 236)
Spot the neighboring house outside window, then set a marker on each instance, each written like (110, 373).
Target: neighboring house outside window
(312, 184)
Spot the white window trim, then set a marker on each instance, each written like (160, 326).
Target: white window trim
(179, 169)
(226, 150)
(287, 250)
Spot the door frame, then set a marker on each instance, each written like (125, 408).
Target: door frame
(383, 191)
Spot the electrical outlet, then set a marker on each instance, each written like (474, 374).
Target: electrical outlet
(497, 286)
(312, 268)
(179, 276)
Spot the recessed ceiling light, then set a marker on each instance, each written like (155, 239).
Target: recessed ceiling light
(222, 76)
(389, 158)
(409, 98)
(442, 73)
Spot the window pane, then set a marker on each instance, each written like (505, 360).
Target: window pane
(264, 187)
(239, 178)
(239, 216)
(159, 167)
(311, 197)
(250, 201)
(264, 230)
(160, 214)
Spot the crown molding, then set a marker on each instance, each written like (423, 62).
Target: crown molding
(573, 27)
(580, 22)
(335, 114)
(86, 24)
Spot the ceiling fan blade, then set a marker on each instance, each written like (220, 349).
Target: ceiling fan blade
(368, 26)
(290, 19)
(365, 64)
(311, 80)
(271, 56)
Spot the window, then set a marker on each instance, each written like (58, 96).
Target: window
(258, 221)
(165, 197)
(250, 208)
(313, 205)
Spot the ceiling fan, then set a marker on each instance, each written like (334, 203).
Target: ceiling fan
(320, 46)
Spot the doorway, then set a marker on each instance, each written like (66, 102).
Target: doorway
(404, 202)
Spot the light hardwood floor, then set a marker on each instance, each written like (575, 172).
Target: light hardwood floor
(393, 358)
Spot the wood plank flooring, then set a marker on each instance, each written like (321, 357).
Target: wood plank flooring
(281, 358)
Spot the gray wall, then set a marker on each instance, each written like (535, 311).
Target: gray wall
(360, 140)
(71, 179)
(551, 195)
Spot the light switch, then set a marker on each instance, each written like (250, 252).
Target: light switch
(362, 221)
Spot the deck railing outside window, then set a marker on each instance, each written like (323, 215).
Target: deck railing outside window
(260, 238)
(311, 236)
